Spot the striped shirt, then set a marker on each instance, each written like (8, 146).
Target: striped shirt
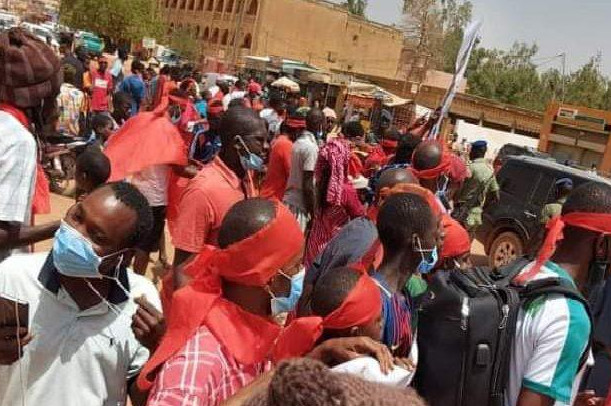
(552, 332)
(202, 373)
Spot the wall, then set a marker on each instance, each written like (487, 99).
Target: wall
(326, 36)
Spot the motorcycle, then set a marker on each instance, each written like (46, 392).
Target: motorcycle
(59, 160)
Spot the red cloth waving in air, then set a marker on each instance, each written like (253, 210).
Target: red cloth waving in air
(145, 140)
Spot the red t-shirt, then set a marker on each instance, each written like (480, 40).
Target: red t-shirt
(101, 86)
(202, 206)
(278, 169)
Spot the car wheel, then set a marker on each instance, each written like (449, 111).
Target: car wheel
(505, 248)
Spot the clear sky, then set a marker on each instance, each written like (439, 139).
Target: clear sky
(580, 28)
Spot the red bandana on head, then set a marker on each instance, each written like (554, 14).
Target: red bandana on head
(433, 173)
(362, 305)
(596, 222)
(456, 242)
(252, 262)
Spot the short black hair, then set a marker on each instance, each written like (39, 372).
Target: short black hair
(100, 121)
(314, 119)
(401, 216)
(237, 102)
(353, 129)
(592, 197)
(391, 177)
(131, 197)
(245, 218)
(137, 66)
(165, 70)
(224, 86)
(95, 164)
(405, 149)
(122, 97)
(332, 289)
(238, 120)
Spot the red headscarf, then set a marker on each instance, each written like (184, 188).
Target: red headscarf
(457, 241)
(334, 157)
(145, 140)
(596, 222)
(444, 167)
(253, 261)
(362, 305)
(413, 188)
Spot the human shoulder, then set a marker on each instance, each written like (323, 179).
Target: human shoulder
(19, 274)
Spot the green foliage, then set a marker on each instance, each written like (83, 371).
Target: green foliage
(117, 19)
(514, 77)
(356, 7)
(184, 42)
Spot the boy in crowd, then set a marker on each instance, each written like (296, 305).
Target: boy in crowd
(92, 170)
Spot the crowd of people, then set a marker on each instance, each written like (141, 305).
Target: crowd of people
(304, 249)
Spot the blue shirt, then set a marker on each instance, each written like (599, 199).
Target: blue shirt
(134, 86)
(202, 108)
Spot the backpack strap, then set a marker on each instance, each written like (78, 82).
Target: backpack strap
(559, 286)
(504, 275)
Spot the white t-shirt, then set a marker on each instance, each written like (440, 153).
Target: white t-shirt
(17, 172)
(303, 159)
(229, 97)
(76, 357)
(273, 120)
(152, 182)
(551, 335)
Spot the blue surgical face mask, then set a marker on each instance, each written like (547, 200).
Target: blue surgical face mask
(250, 161)
(282, 304)
(429, 258)
(73, 254)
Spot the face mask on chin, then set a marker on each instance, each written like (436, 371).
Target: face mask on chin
(285, 304)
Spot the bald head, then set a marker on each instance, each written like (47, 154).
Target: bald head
(392, 177)
(244, 219)
(427, 155)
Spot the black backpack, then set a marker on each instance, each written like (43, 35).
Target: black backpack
(466, 328)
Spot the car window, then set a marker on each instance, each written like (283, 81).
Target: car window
(518, 180)
(545, 190)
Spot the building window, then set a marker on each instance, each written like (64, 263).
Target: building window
(219, 6)
(254, 5)
(210, 5)
(174, 3)
(229, 8)
(225, 37)
(191, 5)
(247, 41)
(183, 4)
(167, 3)
(200, 5)
(215, 36)
(206, 34)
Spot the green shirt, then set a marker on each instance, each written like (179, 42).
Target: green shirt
(552, 210)
(477, 187)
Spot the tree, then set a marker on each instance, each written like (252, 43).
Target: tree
(356, 7)
(587, 86)
(120, 20)
(184, 41)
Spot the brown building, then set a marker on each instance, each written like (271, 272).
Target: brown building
(314, 31)
(578, 134)
(24, 7)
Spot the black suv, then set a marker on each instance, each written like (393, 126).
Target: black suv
(509, 150)
(527, 185)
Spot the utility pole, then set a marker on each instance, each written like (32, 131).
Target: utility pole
(563, 55)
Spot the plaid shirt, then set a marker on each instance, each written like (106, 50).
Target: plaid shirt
(203, 373)
(17, 172)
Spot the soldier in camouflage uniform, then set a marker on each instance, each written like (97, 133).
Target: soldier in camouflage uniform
(470, 201)
(564, 187)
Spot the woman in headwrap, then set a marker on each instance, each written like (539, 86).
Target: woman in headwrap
(337, 200)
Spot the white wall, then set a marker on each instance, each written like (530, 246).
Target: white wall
(495, 138)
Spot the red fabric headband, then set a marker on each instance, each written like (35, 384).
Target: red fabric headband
(412, 188)
(296, 123)
(595, 222)
(433, 173)
(390, 144)
(256, 259)
(362, 305)
(456, 242)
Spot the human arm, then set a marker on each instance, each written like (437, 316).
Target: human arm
(12, 342)
(308, 191)
(14, 234)
(148, 324)
(339, 350)
(254, 388)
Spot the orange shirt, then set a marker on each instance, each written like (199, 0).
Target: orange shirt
(278, 169)
(202, 206)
